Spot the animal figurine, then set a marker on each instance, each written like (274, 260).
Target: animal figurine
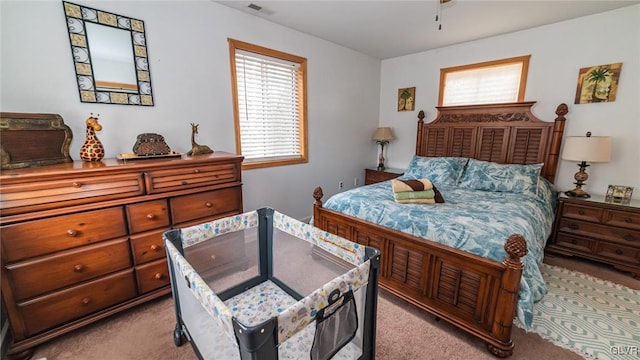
(197, 149)
(92, 150)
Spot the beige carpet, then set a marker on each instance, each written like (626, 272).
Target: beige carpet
(404, 332)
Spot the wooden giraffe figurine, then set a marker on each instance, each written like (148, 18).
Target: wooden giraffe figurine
(197, 149)
(92, 150)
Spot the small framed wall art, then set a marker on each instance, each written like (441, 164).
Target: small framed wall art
(406, 99)
(598, 83)
(619, 194)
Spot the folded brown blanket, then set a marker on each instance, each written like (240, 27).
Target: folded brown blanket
(411, 185)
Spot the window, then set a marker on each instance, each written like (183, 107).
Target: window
(270, 107)
(498, 81)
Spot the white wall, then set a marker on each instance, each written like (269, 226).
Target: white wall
(557, 51)
(189, 60)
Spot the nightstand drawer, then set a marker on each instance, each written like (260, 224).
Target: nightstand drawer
(576, 243)
(582, 212)
(39, 237)
(39, 276)
(622, 219)
(619, 252)
(372, 176)
(623, 236)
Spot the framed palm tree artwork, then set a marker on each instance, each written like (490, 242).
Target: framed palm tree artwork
(598, 83)
(406, 99)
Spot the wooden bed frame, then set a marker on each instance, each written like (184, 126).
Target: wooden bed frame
(475, 294)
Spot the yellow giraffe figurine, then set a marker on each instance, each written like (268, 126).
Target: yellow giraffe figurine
(92, 150)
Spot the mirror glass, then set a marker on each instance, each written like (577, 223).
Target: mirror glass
(110, 56)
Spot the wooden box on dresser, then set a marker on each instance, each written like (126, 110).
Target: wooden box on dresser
(598, 230)
(81, 241)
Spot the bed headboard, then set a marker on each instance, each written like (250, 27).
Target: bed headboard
(506, 133)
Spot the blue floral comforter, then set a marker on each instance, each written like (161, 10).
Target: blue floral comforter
(475, 221)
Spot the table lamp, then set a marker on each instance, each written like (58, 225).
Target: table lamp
(585, 149)
(382, 137)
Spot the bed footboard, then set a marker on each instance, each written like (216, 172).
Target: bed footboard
(475, 294)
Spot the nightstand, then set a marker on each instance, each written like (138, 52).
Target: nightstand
(598, 230)
(373, 175)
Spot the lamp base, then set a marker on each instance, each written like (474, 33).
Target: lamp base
(577, 192)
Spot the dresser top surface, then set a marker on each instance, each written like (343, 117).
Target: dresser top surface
(112, 164)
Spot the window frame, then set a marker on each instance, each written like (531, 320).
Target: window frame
(302, 103)
(524, 60)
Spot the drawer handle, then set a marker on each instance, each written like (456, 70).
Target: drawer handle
(158, 276)
(208, 204)
(86, 300)
(628, 220)
(618, 251)
(151, 216)
(76, 185)
(196, 171)
(155, 247)
(213, 257)
(629, 237)
(573, 226)
(184, 183)
(581, 212)
(72, 233)
(78, 268)
(574, 241)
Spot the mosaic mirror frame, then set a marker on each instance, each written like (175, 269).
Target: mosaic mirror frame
(77, 17)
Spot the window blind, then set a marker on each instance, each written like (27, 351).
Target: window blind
(486, 85)
(268, 106)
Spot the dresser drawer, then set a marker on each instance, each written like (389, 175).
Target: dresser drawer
(147, 215)
(622, 219)
(148, 246)
(44, 195)
(39, 237)
(152, 276)
(620, 235)
(191, 177)
(35, 277)
(580, 212)
(581, 244)
(619, 252)
(205, 204)
(48, 311)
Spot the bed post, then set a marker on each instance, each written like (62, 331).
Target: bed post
(419, 137)
(317, 195)
(556, 142)
(516, 247)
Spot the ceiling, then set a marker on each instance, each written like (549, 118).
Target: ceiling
(387, 29)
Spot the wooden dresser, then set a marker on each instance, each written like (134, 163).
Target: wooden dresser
(598, 230)
(81, 241)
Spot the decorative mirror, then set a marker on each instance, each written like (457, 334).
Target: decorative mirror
(110, 56)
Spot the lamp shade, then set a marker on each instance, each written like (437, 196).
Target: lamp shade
(383, 134)
(587, 148)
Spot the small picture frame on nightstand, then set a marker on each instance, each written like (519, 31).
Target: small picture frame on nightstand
(619, 194)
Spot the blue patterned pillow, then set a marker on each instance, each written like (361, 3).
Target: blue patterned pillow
(440, 170)
(490, 176)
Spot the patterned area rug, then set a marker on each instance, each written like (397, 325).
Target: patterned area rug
(595, 318)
